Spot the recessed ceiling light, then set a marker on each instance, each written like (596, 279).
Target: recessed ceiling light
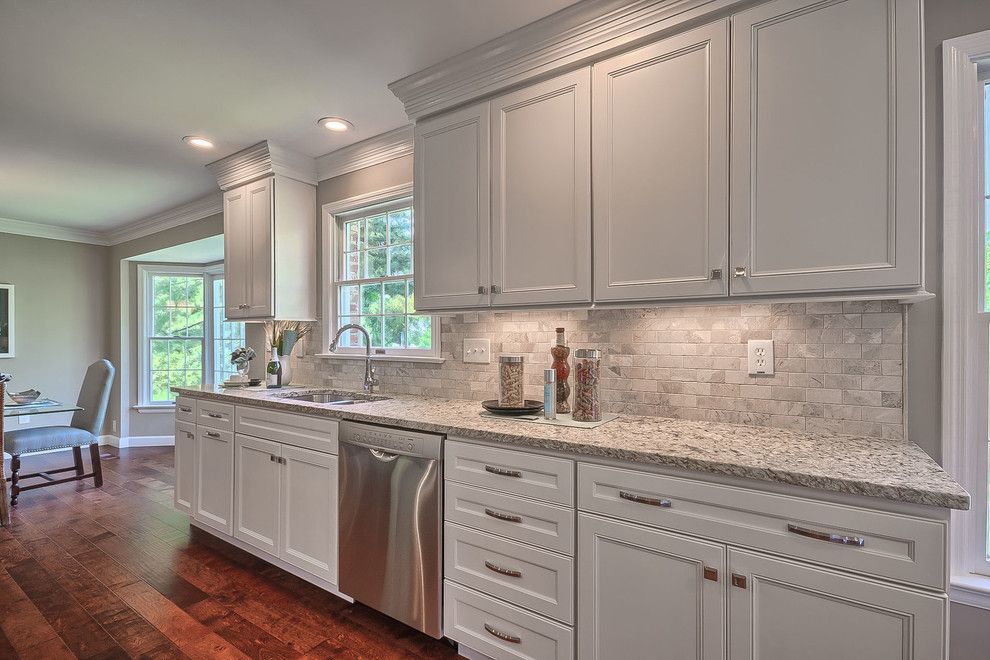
(199, 142)
(336, 124)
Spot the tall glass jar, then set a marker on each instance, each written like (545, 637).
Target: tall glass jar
(510, 381)
(587, 385)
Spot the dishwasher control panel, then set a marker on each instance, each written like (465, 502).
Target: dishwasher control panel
(414, 443)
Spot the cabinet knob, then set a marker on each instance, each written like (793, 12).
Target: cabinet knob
(482, 290)
(738, 580)
(495, 289)
(716, 273)
(711, 574)
(243, 306)
(740, 271)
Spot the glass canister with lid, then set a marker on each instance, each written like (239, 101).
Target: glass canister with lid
(587, 385)
(510, 381)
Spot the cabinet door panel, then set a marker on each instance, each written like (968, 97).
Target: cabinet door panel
(789, 610)
(642, 590)
(257, 486)
(261, 246)
(308, 534)
(214, 490)
(185, 466)
(826, 152)
(661, 168)
(541, 206)
(453, 214)
(236, 253)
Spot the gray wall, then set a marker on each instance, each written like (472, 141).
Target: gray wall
(60, 311)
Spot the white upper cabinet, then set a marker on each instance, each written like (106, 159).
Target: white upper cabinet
(248, 249)
(541, 199)
(660, 124)
(826, 146)
(452, 234)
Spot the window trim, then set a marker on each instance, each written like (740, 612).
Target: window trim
(965, 325)
(332, 216)
(145, 273)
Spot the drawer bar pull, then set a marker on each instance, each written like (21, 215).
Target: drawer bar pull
(507, 517)
(211, 434)
(502, 472)
(495, 632)
(184, 409)
(857, 541)
(640, 499)
(503, 571)
(214, 415)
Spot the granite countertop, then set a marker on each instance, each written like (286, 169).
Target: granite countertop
(890, 469)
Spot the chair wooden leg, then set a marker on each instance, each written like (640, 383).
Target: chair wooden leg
(94, 455)
(77, 459)
(15, 466)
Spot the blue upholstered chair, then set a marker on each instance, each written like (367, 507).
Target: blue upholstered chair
(83, 431)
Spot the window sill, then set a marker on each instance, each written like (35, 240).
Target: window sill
(155, 408)
(422, 359)
(971, 589)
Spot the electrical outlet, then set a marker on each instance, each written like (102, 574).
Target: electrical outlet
(760, 353)
(24, 419)
(478, 351)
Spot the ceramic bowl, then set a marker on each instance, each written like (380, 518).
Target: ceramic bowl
(27, 396)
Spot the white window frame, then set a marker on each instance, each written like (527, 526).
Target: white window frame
(332, 215)
(965, 372)
(145, 273)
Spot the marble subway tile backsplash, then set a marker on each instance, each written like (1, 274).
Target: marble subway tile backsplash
(838, 365)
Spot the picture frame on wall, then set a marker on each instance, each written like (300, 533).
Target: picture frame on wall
(6, 320)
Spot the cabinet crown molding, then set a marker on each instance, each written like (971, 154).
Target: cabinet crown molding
(571, 37)
(261, 160)
(373, 151)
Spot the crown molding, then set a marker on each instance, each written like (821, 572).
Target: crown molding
(53, 232)
(261, 160)
(373, 151)
(174, 217)
(569, 38)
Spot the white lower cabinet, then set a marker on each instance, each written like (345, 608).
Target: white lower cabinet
(781, 610)
(644, 593)
(214, 488)
(257, 483)
(185, 465)
(308, 512)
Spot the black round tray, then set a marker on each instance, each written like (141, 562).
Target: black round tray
(529, 407)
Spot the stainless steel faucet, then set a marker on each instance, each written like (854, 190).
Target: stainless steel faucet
(369, 370)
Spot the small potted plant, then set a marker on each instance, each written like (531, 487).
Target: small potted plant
(241, 358)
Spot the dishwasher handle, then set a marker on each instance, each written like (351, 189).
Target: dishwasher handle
(383, 456)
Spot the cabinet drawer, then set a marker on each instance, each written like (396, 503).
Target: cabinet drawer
(500, 630)
(215, 415)
(895, 546)
(316, 433)
(535, 579)
(544, 525)
(510, 471)
(185, 409)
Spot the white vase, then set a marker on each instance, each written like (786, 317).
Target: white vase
(286, 369)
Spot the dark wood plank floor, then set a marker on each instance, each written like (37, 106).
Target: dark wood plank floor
(117, 572)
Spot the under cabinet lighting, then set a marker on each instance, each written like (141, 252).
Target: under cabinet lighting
(198, 142)
(336, 124)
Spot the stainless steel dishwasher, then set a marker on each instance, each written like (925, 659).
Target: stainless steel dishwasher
(390, 500)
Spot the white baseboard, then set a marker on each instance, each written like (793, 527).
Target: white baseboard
(141, 441)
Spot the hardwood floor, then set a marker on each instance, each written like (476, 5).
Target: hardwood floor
(117, 572)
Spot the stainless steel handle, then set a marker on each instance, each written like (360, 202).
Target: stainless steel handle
(640, 499)
(243, 306)
(502, 571)
(184, 409)
(214, 415)
(273, 458)
(492, 630)
(716, 273)
(857, 541)
(482, 290)
(740, 271)
(502, 472)
(383, 456)
(495, 289)
(190, 435)
(507, 517)
(211, 434)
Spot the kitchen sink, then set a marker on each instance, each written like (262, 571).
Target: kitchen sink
(335, 398)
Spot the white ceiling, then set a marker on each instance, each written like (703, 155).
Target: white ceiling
(95, 95)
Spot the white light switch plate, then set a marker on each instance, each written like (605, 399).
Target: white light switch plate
(760, 352)
(478, 351)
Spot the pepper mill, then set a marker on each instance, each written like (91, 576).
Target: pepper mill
(560, 352)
